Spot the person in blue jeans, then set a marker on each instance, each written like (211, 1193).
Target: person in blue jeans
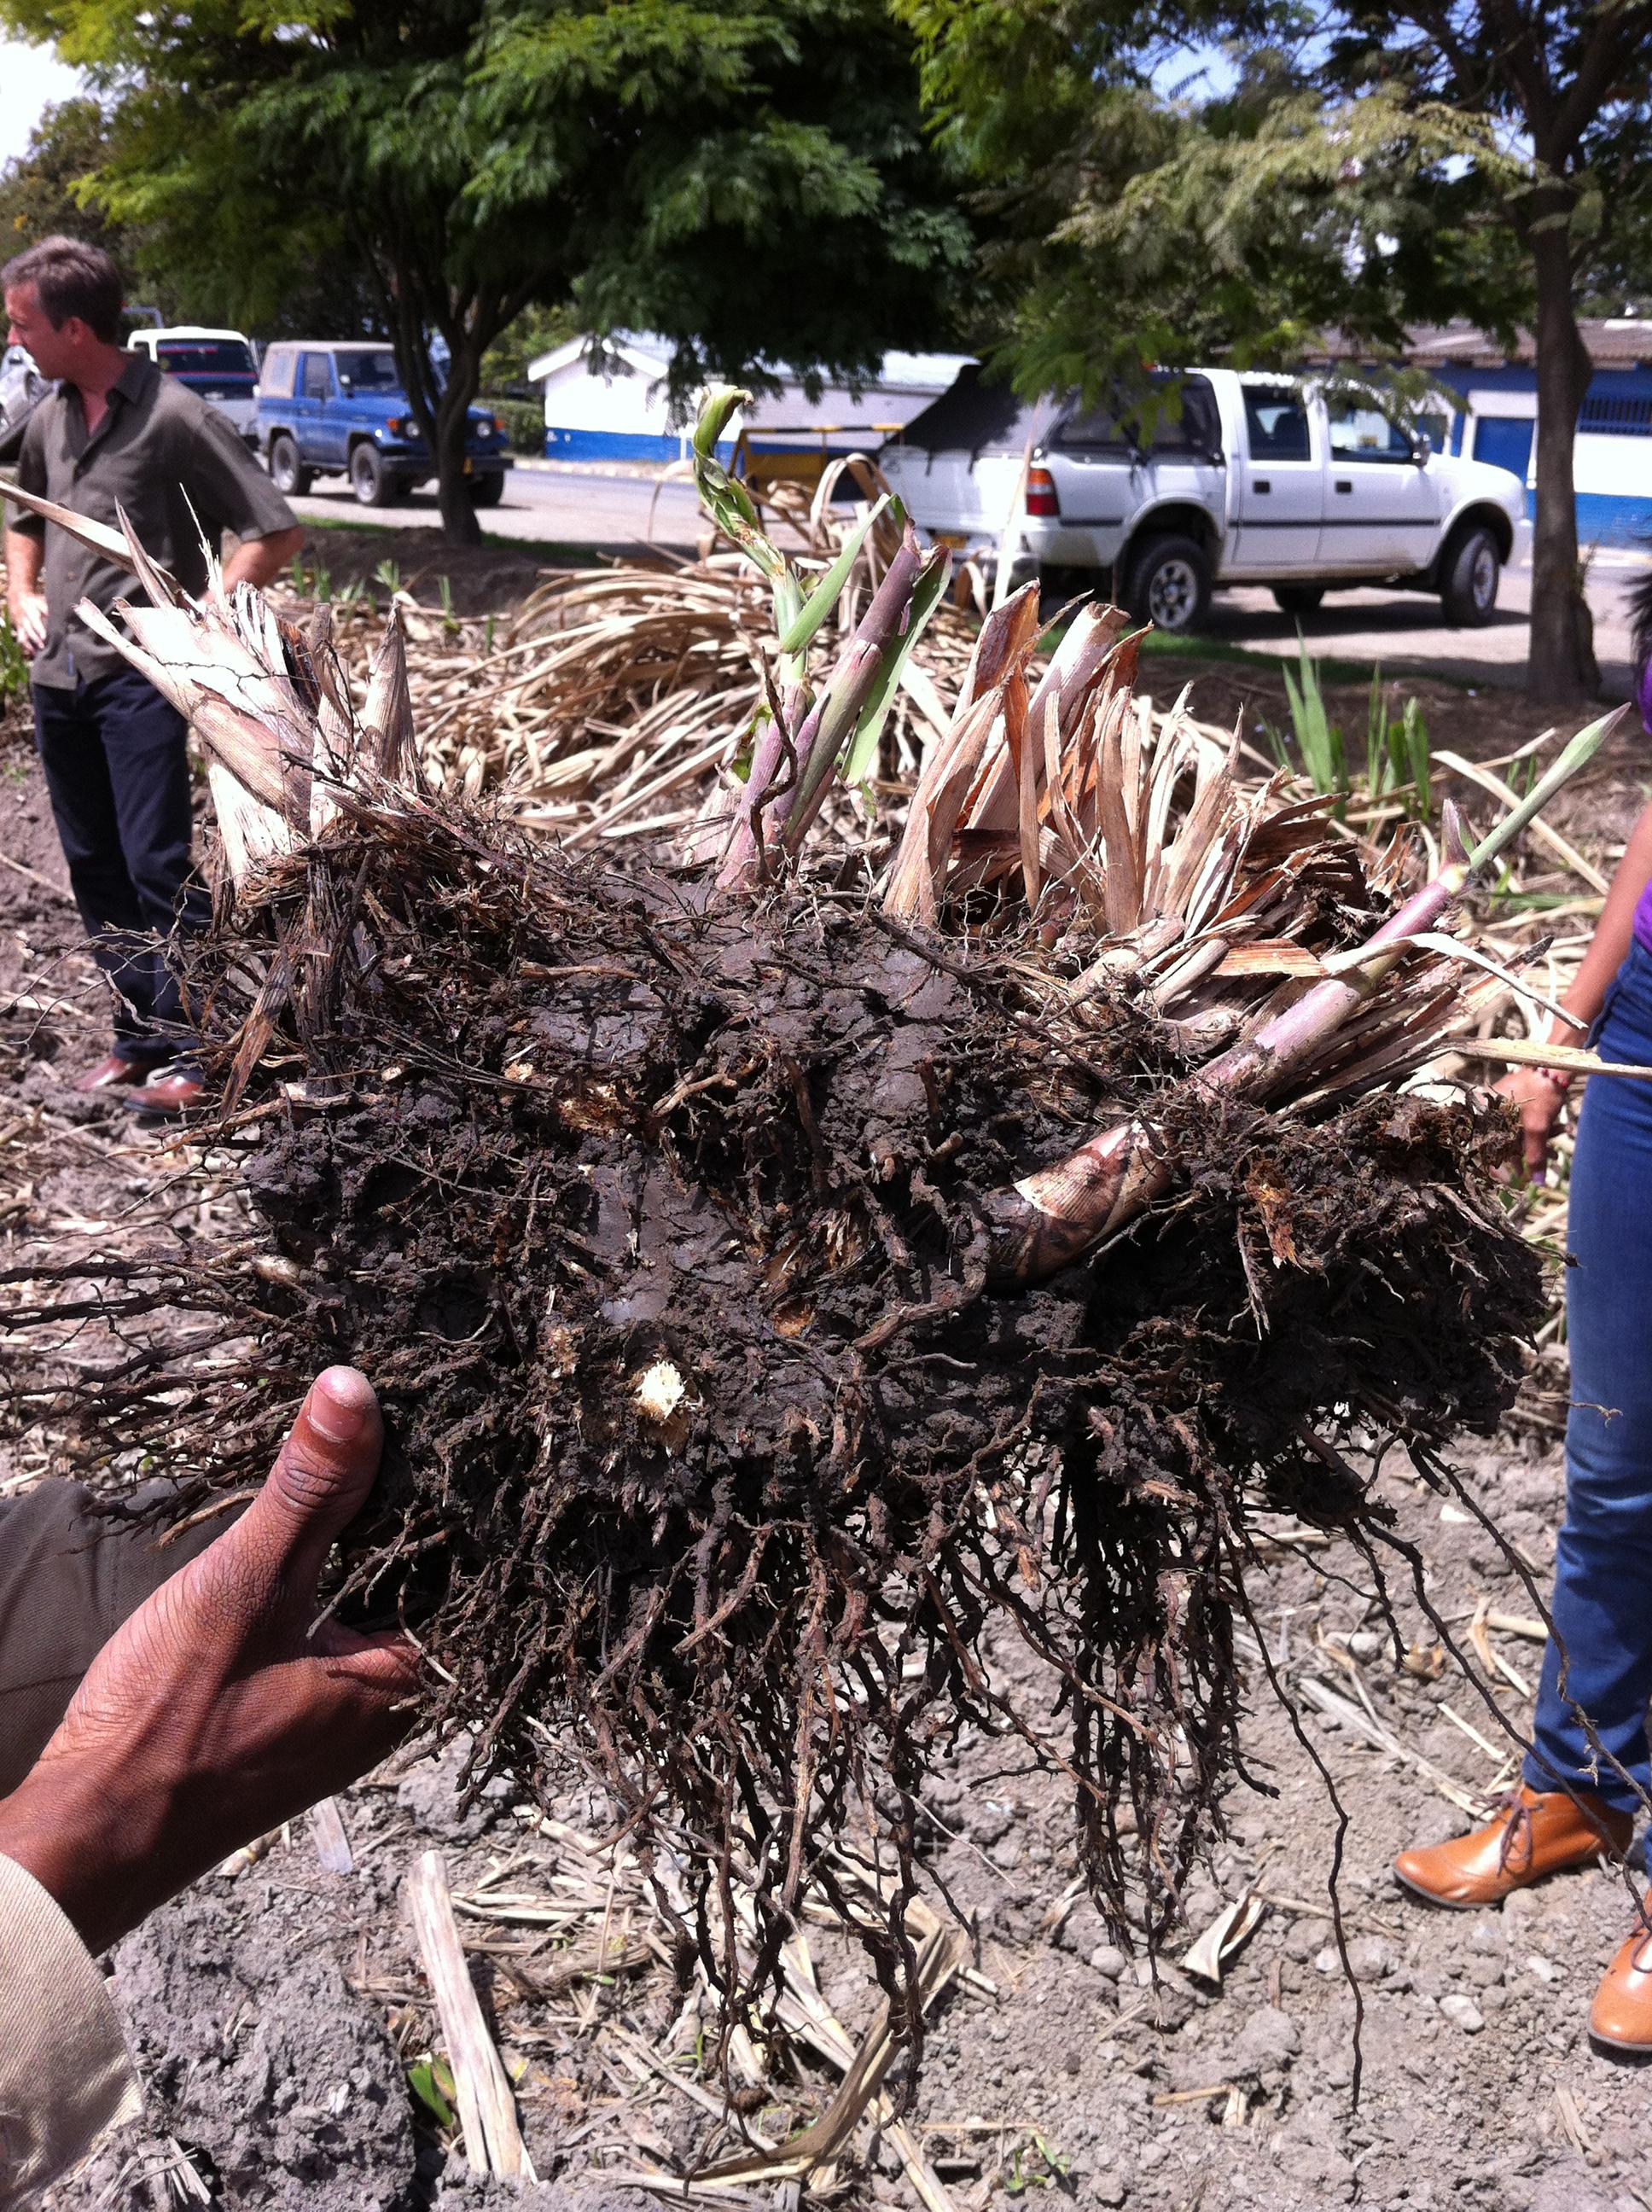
(118, 439)
(1589, 1769)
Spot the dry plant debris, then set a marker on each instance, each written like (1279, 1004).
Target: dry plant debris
(723, 1237)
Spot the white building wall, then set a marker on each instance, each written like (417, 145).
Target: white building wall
(622, 413)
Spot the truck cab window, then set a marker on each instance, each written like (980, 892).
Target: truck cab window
(317, 376)
(1360, 431)
(1278, 423)
(1171, 422)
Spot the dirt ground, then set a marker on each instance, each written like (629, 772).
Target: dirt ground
(276, 2011)
(480, 579)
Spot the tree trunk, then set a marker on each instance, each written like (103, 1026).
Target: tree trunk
(459, 525)
(1562, 671)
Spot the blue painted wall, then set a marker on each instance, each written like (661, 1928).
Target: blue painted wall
(609, 446)
(1618, 404)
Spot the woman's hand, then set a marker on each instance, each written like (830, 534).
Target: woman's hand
(1540, 1096)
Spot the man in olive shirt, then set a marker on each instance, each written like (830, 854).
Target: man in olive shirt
(117, 436)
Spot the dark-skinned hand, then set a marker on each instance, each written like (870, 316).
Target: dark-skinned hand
(218, 1710)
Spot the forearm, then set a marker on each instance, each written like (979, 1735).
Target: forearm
(261, 560)
(1609, 946)
(24, 555)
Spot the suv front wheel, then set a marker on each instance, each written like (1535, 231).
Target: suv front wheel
(370, 480)
(287, 474)
(1170, 585)
(1469, 578)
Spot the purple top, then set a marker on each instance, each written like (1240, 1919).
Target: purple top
(1644, 911)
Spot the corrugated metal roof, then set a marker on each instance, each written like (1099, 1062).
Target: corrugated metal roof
(1613, 342)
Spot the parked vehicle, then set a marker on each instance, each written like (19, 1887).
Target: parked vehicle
(1225, 478)
(958, 465)
(329, 410)
(22, 388)
(217, 365)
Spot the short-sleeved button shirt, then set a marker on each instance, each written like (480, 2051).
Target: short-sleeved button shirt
(175, 466)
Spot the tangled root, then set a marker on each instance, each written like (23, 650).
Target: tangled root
(659, 1233)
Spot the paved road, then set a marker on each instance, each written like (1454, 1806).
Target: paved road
(559, 508)
(1402, 630)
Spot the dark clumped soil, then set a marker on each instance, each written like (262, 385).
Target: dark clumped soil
(279, 2013)
(661, 1234)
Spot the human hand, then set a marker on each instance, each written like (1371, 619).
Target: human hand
(1539, 1097)
(28, 621)
(214, 1713)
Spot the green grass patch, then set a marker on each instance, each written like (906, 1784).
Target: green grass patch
(1157, 647)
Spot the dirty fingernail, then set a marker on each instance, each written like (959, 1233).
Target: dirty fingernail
(340, 1403)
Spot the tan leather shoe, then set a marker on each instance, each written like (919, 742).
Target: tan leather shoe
(1621, 2014)
(172, 1090)
(114, 1071)
(1535, 1833)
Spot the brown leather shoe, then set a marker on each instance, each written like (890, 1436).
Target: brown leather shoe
(113, 1069)
(174, 1091)
(1621, 2014)
(1535, 1833)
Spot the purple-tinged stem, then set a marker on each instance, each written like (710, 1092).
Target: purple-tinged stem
(823, 732)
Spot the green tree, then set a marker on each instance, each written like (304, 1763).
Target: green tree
(752, 181)
(43, 189)
(1366, 165)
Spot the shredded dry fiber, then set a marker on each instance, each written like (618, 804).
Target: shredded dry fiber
(610, 1197)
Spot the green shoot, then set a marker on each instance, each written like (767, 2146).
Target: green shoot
(1319, 740)
(431, 2081)
(861, 756)
(1577, 754)
(827, 592)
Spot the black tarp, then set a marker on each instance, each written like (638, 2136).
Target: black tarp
(974, 417)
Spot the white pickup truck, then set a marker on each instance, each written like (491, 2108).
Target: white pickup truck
(1242, 478)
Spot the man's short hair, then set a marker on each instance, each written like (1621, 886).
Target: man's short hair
(70, 278)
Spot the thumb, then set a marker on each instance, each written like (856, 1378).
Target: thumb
(318, 1484)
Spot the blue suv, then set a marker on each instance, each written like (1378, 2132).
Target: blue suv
(340, 409)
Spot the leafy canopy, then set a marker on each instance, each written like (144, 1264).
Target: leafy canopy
(753, 181)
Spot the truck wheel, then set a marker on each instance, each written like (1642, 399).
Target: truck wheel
(1298, 598)
(1468, 579)
(488, 491)
(370, 480)
(1170, 585)
(289, 476)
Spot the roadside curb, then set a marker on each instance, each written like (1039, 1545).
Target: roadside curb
(633, 471)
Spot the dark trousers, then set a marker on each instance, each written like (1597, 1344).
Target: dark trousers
(69, 1577)
(1603, 1599)
(115, 769)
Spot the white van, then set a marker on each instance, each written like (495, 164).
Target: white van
(218, 365)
